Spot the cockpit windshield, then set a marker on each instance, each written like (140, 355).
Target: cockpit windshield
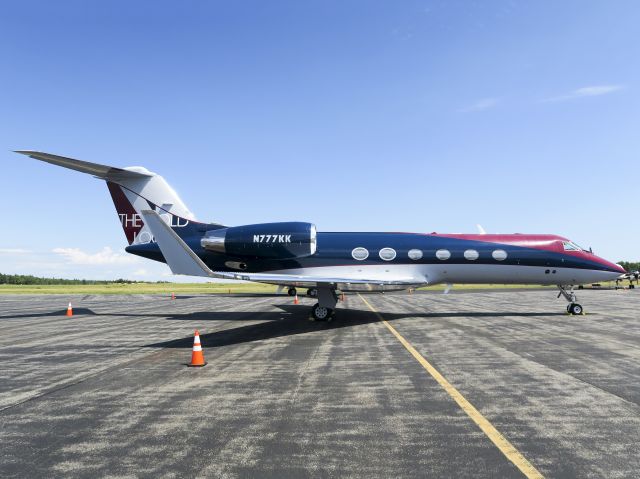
(571, 246)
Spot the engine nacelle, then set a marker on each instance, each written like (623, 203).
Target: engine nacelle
(266, 240)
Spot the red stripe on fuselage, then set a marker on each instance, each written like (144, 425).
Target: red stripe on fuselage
(551, 243)
(544, 242)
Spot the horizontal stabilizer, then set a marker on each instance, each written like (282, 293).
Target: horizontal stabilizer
(101, 171)
(180, 258)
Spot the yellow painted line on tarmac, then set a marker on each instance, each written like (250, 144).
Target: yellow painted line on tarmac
(483, 423)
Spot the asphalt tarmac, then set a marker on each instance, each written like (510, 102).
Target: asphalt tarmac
(107, 393)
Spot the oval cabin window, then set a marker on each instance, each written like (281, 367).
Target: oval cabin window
(471, 254)
(387, 254)
(499, 255)
(443, 254)
(415, 254)
(360, 254)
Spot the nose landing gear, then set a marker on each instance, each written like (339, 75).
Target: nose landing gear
(573, 307)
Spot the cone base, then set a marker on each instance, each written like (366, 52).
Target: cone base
(197, 365)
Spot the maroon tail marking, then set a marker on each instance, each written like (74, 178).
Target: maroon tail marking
(130, 220)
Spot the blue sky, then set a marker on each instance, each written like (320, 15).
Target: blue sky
(355, 115)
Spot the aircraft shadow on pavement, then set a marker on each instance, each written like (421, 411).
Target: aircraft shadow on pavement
(274, 325)
(61, 313)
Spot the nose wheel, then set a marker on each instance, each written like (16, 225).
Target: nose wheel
(573, 307)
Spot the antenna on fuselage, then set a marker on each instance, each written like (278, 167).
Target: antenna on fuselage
(481, 230)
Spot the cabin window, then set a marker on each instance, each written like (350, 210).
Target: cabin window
(471, 254)
(387, 254)
(415, 254)
(571, 246)
(443, 254)
(499, 255)
(360, 253)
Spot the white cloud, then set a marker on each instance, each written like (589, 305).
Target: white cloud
(107, 263)
(482, 104)
(587, 91)
(104, 256)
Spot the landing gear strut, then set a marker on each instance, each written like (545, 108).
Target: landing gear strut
(324, 308)
(573, 307)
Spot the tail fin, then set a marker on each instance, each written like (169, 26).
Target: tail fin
(132, 189)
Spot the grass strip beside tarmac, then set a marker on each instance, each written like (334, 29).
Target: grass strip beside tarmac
(194, 288)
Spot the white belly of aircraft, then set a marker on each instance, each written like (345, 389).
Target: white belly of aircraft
(458, 273)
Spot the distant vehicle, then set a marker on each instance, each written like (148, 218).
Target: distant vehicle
(159, 226)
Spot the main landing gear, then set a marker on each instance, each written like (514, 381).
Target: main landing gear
(321, 313)
(323, 310)
(573, 307)
(292, 291)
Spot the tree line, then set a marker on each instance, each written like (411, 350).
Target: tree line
(28, 279)
(630, 266)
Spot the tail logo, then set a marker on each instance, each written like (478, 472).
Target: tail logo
(132, 223)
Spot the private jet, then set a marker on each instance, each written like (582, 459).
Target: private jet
(160, 227)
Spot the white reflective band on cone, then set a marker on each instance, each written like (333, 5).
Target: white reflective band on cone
(197, 347)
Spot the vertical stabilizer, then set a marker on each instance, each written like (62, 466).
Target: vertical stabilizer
(133, 190)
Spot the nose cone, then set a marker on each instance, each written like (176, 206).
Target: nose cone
(612, 267)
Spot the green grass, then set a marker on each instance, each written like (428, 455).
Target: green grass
(198, 288)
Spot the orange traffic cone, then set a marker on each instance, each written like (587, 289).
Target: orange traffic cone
(69, 310)
(173, 295)
(296, 300)
(342, 297)
(197, 357)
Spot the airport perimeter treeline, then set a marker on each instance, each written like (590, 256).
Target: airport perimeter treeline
(630, 266)
(35, 280)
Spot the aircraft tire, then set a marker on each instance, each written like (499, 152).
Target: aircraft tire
(575, 309)
(312, 292)
(321, 313)
(292, 291)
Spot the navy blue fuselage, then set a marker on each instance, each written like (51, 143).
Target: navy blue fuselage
(335, 249)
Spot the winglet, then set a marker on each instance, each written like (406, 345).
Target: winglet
(180, 258)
